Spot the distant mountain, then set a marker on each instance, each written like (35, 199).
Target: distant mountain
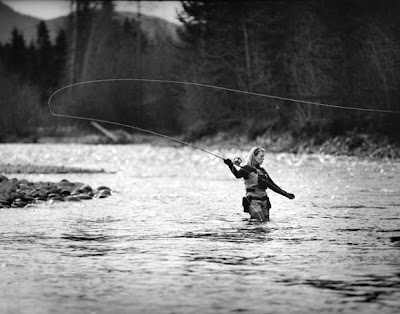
(10, 19)
(156, 28)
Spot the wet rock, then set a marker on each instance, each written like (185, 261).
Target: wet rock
(6, 200)
(65, 192)
(42, 194)
(105, 192)
(72, 199)
(103, 188)
(18, 203)
(86, 188)
(8, 186)
(20, 193)
(23, 182)
(65, 185)
(28, 198)
(82, 189)
(54, 190)
(83, 196)
(3, 178)
(55, 199)
(102, 193)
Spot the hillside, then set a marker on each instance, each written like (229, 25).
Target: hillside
(10, 19)
(156, 28)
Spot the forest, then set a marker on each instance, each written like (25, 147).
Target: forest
(341, 53)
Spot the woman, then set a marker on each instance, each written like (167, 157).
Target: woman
(256, 181)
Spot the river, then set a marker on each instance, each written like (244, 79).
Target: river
(173, 237)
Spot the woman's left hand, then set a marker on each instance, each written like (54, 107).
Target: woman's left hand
(290, 196)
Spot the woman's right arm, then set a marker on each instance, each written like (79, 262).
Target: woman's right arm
(237, 173)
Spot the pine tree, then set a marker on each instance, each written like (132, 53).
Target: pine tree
(45, 61)
(60, 57)
(16, 58)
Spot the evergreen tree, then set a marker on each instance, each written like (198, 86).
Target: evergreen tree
(16, 58)
(32, 63)
(45, 59)
(60, 56)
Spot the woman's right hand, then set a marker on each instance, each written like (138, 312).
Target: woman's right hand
(228, 162)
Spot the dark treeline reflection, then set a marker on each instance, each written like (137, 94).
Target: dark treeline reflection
(344, 52)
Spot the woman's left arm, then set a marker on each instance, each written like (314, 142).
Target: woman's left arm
(274, 187)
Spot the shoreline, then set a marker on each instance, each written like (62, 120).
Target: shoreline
(352, 144)
(43, 169)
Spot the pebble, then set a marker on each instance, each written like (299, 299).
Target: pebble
(16, 193)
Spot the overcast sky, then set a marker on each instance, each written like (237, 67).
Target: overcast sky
(48, 9)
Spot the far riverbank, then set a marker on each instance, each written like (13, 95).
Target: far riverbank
(350, 144)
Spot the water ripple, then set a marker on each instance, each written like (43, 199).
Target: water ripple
(174, 239)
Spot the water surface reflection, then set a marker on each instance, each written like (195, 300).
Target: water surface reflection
(173, 239)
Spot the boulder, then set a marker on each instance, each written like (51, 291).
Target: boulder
(3, 178)
(8, 186)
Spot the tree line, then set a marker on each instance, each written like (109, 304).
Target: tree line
(28, 73)
(343, 52)
(95, 44)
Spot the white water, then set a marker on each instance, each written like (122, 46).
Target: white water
(172, 239)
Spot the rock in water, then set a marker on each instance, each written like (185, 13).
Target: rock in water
(20, 193)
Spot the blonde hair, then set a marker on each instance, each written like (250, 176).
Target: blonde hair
(252, 154)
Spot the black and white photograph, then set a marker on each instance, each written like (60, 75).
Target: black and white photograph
(211, 157)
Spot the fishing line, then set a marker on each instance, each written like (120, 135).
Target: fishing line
(186, 83)
(221, 88)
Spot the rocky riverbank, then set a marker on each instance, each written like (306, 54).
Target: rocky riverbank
(16, 193)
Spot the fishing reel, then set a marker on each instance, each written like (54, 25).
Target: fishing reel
(237, 161)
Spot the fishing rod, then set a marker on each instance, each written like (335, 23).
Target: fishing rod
(136, 128)
(117, 123)
(236, 161)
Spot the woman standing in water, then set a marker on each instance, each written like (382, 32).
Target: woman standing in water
(256, 181)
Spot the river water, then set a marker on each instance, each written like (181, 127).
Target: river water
(173, 238)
